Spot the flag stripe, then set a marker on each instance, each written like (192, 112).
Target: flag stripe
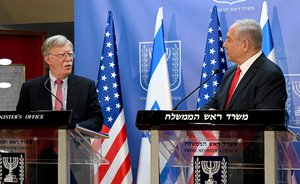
(158, 50)
(114, 168)
(113, 151)
(128, 177)
(97, 143)
(267, 42)
(211, 137)
(113, 134)
(268, 45)
(118, 177)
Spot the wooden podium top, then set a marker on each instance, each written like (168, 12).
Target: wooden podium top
(211, 120)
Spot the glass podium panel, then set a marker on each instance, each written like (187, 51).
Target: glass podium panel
(85, 157)
(243, 148)
(24, 153)
(39, 147)
(192, 156)
(288, 158)
(30, 156)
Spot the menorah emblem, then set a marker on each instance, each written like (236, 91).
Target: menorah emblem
(296, 87)
(210, 168)
(10, 163)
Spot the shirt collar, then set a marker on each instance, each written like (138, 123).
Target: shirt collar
(246, 65)
(53, 79)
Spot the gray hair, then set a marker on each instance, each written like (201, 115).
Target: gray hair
(57, 40)
(250, 29)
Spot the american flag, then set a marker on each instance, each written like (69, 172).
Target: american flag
(214, 59)
(115, 149)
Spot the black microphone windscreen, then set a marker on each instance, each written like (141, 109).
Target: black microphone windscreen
(216, 71)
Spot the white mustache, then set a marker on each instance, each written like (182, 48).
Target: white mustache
(70, 63)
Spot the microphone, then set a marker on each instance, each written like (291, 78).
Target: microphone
(62, 105)
(216, 71)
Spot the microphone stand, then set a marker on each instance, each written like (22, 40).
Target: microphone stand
(62, 105)
(216, 71)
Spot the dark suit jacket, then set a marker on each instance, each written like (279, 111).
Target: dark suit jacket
(81, 98)
(262, 87)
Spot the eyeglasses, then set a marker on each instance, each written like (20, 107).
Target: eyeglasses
(64, 55)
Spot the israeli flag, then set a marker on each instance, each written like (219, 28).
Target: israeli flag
(144, 169)
(159, 91)
(158, 95)
(267, 42)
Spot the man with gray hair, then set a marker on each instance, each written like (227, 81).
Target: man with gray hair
(77, 93)
(254, 82)
(72, 93)
(260, 83)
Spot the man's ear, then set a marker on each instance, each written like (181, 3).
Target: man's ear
(246, 44)
(46, 59)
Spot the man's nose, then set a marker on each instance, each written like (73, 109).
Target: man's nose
(224, 44)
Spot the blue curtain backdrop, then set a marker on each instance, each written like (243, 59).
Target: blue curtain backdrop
(185, 24)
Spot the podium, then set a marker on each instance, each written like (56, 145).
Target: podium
(247, 141)
(28, 142)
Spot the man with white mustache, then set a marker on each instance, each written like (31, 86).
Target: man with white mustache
(76, 93)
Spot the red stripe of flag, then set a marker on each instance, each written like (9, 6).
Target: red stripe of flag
(122, 172)
(211, 138)
(97, 143)
(113, 151)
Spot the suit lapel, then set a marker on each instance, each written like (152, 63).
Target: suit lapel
(246, 79)
(73, 92)
(226, 88)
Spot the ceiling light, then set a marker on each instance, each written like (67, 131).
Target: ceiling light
(5, 61)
